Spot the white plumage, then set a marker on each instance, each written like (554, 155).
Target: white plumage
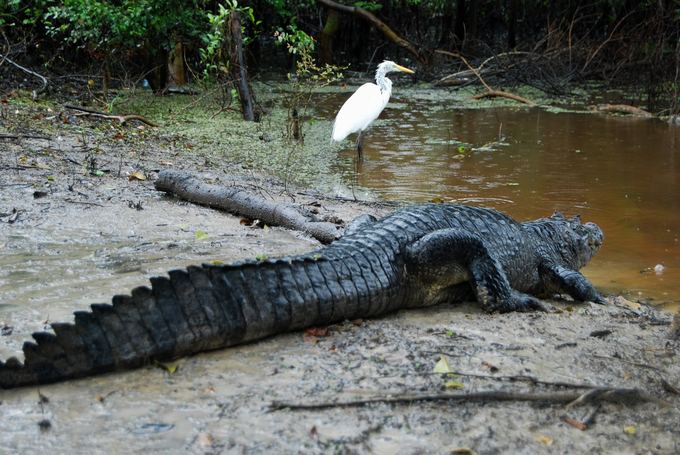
(366, 104)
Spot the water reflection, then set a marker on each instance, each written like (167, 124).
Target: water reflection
(622, 173)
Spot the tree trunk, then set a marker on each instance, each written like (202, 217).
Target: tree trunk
(459, 27)
(330, 29)
(106, 76)
(158, 74)
(239, 69)
(445, 24)
(512, 24)
(176, 65)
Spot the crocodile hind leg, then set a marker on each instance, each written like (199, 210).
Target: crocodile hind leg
(448, 257)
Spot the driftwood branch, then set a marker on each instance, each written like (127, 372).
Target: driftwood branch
(503, 94)
(598, 395)
(623, 109)
(244, 203)
(42, 78)
(380, 25)
(490, 92)
(121, 118)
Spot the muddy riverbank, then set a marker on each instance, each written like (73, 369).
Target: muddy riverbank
(81, 221)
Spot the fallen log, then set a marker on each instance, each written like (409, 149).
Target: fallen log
(242, 202)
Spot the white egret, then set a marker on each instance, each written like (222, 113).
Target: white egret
(366, 104)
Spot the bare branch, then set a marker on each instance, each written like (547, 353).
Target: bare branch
(31, 72)
(380, 25)
(120, 118)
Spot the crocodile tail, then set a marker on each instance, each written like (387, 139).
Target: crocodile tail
(191, 310)
(197, 309)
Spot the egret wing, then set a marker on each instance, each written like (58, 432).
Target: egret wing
(364, 106)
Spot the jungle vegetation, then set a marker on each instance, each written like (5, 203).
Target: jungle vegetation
(547, 44)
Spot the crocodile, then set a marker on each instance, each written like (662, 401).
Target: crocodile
(418, 256)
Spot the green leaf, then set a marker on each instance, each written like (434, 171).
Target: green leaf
(442, 366)
(261, 257)
(200, 235)
(170, 367)
(453, 384)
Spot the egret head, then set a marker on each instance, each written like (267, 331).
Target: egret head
(389, 66)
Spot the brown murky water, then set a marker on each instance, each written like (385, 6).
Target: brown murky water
(621, 173)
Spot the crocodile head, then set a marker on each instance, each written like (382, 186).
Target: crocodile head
(578, 241)
(590, 238)
(573, 242)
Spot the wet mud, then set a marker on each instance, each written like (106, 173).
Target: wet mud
(78, 227)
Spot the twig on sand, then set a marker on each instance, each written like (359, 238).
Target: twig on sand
(23, 136)
(120, 118)
(573, 398)
(659, 371)
(73, 201)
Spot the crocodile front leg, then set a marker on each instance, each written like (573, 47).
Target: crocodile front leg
(560, 279)
(446, 258)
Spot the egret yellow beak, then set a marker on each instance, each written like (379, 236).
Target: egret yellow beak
(404, 69)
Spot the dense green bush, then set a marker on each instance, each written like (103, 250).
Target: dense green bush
(125, 24)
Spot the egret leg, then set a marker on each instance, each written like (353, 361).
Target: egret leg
(360, 145)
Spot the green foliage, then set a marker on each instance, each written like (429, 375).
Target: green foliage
(290, 10)
(213, 40)
(23, 13)
(104, 25)
(368, 6)
(308, 76)
(295, 40)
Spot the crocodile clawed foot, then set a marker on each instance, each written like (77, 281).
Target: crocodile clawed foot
(523, 302)
(600, 300)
